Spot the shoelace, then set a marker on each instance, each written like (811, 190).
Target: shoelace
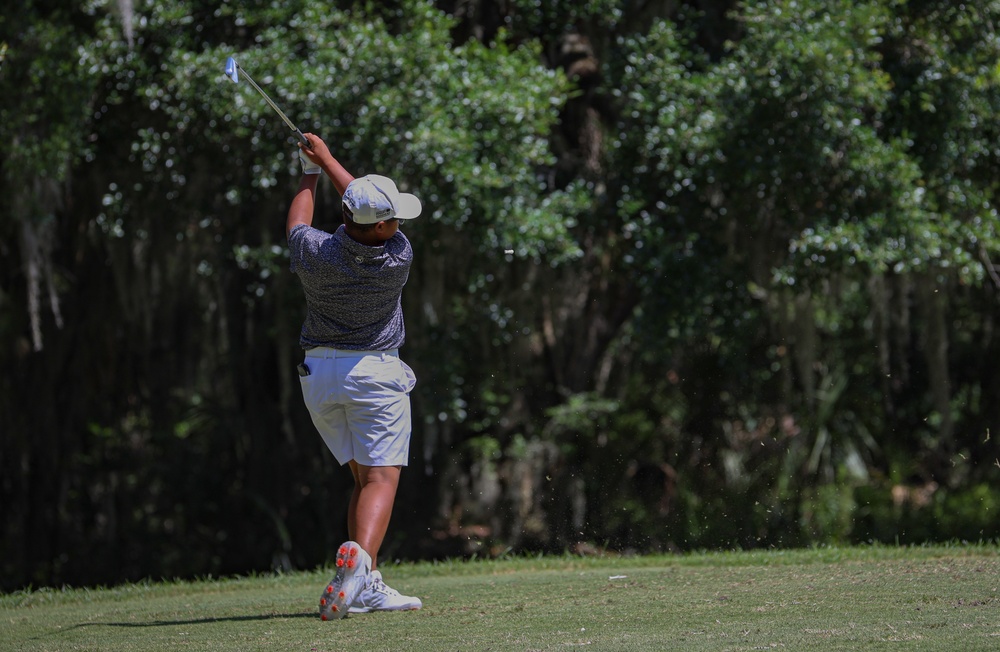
(381, 587)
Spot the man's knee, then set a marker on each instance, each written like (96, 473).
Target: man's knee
(380, 474)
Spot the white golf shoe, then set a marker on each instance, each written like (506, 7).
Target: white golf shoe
(379, 596)
(354, 568)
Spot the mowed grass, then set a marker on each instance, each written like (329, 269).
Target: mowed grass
(940, 598)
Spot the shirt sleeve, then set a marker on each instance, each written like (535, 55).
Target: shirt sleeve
(301, 241)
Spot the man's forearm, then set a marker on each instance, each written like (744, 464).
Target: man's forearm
(340, 177)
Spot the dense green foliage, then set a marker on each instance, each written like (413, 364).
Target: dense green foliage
(751, 301)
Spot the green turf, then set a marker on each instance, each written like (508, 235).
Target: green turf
(943, 598)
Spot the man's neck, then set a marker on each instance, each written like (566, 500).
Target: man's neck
(367, 238)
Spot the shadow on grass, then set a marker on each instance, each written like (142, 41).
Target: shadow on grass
(199, 621)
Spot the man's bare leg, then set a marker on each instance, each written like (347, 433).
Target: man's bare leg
(371, 505)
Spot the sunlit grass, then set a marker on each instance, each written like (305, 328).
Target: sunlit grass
(933, 598)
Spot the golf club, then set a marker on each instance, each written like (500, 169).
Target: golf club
(233, 70)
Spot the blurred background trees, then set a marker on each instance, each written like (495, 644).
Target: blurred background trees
(752, 299)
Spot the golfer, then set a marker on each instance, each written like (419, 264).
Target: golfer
(353, 382)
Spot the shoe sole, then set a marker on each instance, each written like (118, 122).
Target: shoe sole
(346, 583)
(369, 610)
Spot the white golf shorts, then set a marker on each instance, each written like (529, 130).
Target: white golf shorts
(360, 404)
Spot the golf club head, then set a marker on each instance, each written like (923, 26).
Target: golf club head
(232, 70)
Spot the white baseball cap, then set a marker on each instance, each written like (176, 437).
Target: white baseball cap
(374, 198)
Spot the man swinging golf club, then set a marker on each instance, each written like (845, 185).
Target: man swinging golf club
(353, 382)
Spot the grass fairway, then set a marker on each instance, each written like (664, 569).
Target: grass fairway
(943, 598)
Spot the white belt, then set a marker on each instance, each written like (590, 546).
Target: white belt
(327, 352)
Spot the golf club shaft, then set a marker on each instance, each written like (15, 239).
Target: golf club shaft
(281, 114)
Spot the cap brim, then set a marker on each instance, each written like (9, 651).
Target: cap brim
(408, 206)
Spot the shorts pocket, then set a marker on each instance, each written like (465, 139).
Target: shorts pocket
(388, 374)
(409, 379)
